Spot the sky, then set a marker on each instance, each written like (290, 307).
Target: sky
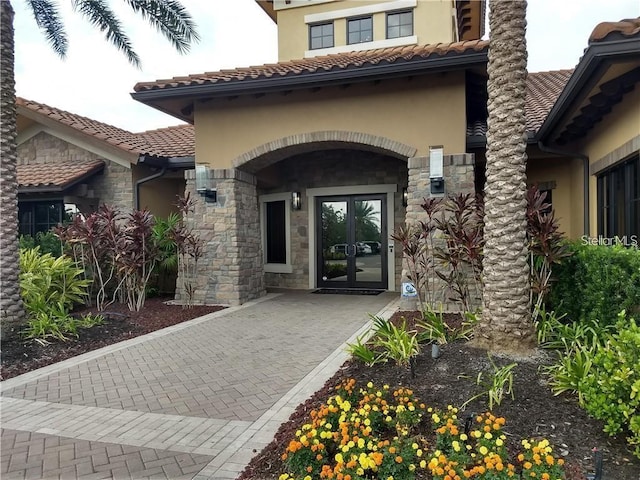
(95, 80)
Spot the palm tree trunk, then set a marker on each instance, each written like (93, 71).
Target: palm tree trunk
(506, 318)
(11, 309)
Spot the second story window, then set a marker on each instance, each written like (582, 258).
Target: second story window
(321, 36)
(359, 30)
(400, 24)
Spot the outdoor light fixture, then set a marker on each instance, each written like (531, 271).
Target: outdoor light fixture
(296, 201)
(436, 169)
(405, 197)
(203, 186)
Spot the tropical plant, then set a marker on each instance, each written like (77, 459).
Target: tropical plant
(495, 385)
(47, 281)
(362, 351)
(189, 247)
(398, 343)
(47, 241)
(167, 16)
(506, 315)
(546, 246)
(572, 370)
(462, 227)
(612, 390)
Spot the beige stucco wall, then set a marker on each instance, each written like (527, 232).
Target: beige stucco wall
(432, 24)
(419, 113)
(618, 127)
(560, 171)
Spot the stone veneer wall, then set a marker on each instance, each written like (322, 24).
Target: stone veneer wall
(458, 171)
(230, 271)
(113, 186)
(330, 168)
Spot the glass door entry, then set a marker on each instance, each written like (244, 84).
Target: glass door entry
(352, 241)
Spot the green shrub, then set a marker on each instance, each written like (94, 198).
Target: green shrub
(612, 391)
(47, 241)
(47, 281)
(596, 282)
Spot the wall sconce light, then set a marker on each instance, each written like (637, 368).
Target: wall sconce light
(436, 169)
(203, 186)
(405, 197)
(296, 201)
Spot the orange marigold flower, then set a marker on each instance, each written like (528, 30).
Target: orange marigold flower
(549, 459)
(527, 465)
(521, 457)
(398, 459)
(392, 449)
(560, 462)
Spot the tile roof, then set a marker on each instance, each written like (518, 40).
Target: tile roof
(177, 141)
(163, 142)
(56, 176)
(625, 28)
(543, 89)
(334, 62)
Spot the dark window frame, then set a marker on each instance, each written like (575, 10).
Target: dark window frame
(29, 207)
(322, 37)
(276, 224)
(618, 206)
(359, 19)
(400, 25)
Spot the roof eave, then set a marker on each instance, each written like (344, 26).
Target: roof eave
(378, 71)
(594, 59)
(61, 188)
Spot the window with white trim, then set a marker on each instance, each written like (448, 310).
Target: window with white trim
(276, 232)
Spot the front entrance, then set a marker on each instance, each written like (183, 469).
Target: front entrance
(351, 234)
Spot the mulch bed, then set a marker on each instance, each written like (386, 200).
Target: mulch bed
(21, 356)
(450, 379)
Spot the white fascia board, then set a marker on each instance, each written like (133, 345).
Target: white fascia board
(102, 153)
(359, 11)
(358, 47)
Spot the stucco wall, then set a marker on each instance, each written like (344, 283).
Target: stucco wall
(113, 186)
(419, 113)
(432, 24)
(616, 129)
(160, 195)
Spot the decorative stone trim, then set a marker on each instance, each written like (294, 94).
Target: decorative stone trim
(610, 159)
(386, 145)
(224, 174)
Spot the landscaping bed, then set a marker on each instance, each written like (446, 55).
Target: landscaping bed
(451, 380)
(21, 356)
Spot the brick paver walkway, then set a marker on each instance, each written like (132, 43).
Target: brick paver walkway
(192, 401)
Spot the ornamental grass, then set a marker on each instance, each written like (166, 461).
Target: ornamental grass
(380, 433)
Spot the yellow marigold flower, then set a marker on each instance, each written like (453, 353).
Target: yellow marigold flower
(456, 445)
(488, 436)
(463, 437)
(526, 444)
(435, 418)
(499, 442)
(483, 450)
(423, 464)
(339, 458)
(284, 476)
(370, 384)
(419, 452)
(360, 471)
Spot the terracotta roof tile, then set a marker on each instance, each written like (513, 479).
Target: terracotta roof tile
(624, 28)
(340, 61)
(543, 89)
(58, 176)
(163, 142)
(178, 141)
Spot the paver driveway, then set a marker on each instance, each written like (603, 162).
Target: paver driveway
(192, 400)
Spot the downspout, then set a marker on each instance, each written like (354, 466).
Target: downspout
(136, 191)
(585, 167)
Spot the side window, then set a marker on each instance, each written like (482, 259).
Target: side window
(400, 24)
(321, 36)
(276, 229)
(360, 30)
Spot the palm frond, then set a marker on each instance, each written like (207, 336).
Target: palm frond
(47, 17)
(102, 17)
(170, 18)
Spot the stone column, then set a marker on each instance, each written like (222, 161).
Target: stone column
(231, 269)
(459, 177)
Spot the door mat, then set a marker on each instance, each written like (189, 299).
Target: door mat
(348, 291)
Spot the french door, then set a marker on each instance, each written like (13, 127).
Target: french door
(351, 234)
